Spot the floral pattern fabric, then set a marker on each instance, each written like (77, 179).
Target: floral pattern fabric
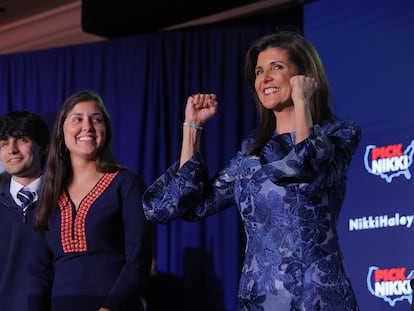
(289, 198)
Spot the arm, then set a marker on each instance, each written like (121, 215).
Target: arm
(41, 274)
(321, 160)
(199, 109)
(132, 279)
(329, 151)
(187, 193)
(302, 90)
(184, 190)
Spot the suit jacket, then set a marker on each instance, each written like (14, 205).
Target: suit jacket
(15, 236)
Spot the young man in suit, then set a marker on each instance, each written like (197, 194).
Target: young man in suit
(24, 142)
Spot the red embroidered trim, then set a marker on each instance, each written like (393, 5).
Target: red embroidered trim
(72, 233)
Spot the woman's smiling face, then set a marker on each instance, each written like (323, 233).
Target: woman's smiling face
(273, 72)
(84, 130)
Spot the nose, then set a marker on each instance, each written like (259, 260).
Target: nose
(13, 147)
(266, 76)
(88, 125)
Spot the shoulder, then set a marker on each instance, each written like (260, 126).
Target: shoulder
(344, 128)
(126, 175)
(4, 181)
(345, 134)
(349, 124)
(246, 144)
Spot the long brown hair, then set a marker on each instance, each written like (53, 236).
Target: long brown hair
(303, 54)
(58, 170)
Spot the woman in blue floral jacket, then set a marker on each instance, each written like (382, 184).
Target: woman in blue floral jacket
(288, 181)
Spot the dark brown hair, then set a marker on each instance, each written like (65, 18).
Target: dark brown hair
(302, 53)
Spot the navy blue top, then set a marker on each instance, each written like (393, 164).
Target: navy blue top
(15, 236)
(97, 256)
(289, 198)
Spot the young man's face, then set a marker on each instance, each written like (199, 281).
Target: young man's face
(21, 157)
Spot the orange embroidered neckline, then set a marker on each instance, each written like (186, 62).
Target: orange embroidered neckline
(72, 234)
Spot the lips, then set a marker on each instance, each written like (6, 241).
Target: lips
(86, 138)
(270, 90)
(13, 160)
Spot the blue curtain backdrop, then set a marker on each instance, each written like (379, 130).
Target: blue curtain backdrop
(145, 81)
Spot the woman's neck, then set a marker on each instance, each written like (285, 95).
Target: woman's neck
(285, 121)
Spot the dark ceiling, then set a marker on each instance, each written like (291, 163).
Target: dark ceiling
(14, 10)
(114, 18)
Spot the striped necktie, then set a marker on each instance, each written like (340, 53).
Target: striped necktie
(26, 197)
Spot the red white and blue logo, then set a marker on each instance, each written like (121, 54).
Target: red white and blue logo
(392, 285)
(389, 161)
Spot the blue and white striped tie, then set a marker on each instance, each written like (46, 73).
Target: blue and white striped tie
(26, 197)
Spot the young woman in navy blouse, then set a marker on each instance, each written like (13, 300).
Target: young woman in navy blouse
(93, 250)
(288, 181)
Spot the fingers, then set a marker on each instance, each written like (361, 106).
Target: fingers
(202, 97)
(311, 83)
(203, 100)
(200, 108)
(303, 80)
(303, 86)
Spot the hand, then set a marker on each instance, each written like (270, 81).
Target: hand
(302, 88)
(200, 108)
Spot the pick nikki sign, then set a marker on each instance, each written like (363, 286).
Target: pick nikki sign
(388, 162)
(390, 284)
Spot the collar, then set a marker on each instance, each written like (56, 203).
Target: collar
(34, 186)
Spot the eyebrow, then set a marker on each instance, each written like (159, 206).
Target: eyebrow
(273, 62)
(81, 113)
